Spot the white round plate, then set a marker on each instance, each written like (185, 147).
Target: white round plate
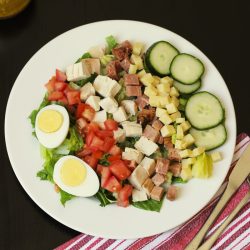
(83, 214)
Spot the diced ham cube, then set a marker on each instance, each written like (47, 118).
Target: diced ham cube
(145, 116)
(157, 193)
(147, 186)
(172, 193)
(122, 50)
(131, 79)
(142, 101)
(132, 165)
(157, 124)
(113, 68)
(173, 154)
(125, 63)
(175, 168)
(151, 133)
(158, 179)
(168, 143)
(133, 91)
(162, 166)
(160, 140)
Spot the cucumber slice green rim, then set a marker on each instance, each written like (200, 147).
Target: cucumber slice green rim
(187, 89)
(186, 68)
(159, 56)
(210, 138)
(204, 110)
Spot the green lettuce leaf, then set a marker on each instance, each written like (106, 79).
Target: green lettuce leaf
(84, 56)
(178, 180)
(150, 205)
(129, 142)
(203, 167)
(111, 42)
(104, 160)
(105, 197)
(106, 59)
(65, 197)
(82, 82)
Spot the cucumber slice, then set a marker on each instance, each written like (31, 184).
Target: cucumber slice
(187, 89)
(186, 68)
(159, 57)
(204, 110)
(209, 138)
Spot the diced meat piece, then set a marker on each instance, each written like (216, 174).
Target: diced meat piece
(132, 165)
(160, 140)
(172, 193)
(151, 133)
(158, 179)
(145, 116)
(168, 143)
(147, 186)
(149, 165)
(128, 46)
(122, 50)
(92, 65)
(125, 63)
(81, 124)
(162, 166)
(133, 91)
(131, 79)
(157, 124)
(157, 193)
(173, 154)
(142, 101)
(175, 168)
(113, 68)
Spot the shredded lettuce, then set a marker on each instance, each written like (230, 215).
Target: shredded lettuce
(104, 160)
(178, 180)
(151, 205)
(203, 167)
(106, 59)
(129, 142)
(105, 197)
(65, 197)
(82, 82)
(111, 42)
(84, 56)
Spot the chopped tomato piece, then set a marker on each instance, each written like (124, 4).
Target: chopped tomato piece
(79, 110)
(113, 158)
(68, 89)
(63, 100)
(105, 175)
(111, 124)
(60, 86)
(92, 161)
(96, 144)
(122, 203)
(125, 193)
(99, 169)
(108, 143)
(84, 152)
(105, 133)
(98, 154)
(51, 84)
(60, 76)
(88, 113)
(94, 127)
(113, 185)
(55, 96)
(119, 169)
(115, 150)
(73, 97)
(89, 138)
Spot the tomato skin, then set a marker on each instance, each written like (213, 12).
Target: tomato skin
(125, 193)
(98, 154)
(113, 185)
(104, 133)
(99, 169)
(113, 158)
(111, 124)
(84, 153)
(73, 97)
(64, 101)
(105, 175)
(88, 113)
(122, 203)
(115, 150)
(60, 86)
(89, 138)
(94, 127)
(108, 143)
(50, 85)
(92, 161)
(55, 96)
(60, 76)
(79, 110)
(96, 144)
(119, 170)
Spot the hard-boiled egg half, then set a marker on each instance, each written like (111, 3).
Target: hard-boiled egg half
(75, 177)
(52, 125)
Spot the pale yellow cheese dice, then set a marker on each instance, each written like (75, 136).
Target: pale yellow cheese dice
(168, 80)
(179, 144)
(198, 151)
(174, 92)
(156, 80)
(185, 153)
(160, 111)
(147, 79)
(189, 139)
(186, 173)
(141, 73)
(188, 162)
(150, 91)
(185, 126)
(180, 120)
(137, 48)
(165, 119)
(163, 88)
(171, 108)
(175, 115)
(137, 60)
(132, 69)
(154, 101)
(175, 101)
(164, 100)
(167, 130)
(179, 133)
(216, 156)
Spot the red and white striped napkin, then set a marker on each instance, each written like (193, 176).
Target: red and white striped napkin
(236, 236)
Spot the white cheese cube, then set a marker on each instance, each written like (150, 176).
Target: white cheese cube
(100, 116)
(165, 118)
(129, 106)
(86, 91)
(106, 86)
(119, 135)
(146, 146)
(132, 129)
(120, 115)
(180, 120)
(189, 139)
(171, 108)
(109, 104)
(186, 126)
(174, 92)
(76, 72)
(179, 132)
(216, 156)
(175, 115)
(93, 101)
(132, 69)
(139, 195)
(149, 165)
(167, 130)
(138, 177)
(97, 51)
(198, 151)
(132, 154)
(185, 153)
(159, 112)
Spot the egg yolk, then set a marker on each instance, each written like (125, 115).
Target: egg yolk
(73, 173)
(50, 121)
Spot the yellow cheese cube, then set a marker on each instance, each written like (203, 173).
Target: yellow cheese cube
(150, 91)
(156, 80)
(171, 108)
(175, 115)
(189, 139)
(216, 156)
(174, 92)
(164, 100)
(132, 69)
(180, 120)
(160, 111)
(163, 88)
(137, 60)
(175, 101)
(137, 48)
(186, 173)
(179, 144)
(167, 130)
(154, 101)
(179, 132)
(141, 73)
(185, 126)
(147, 79)
(165, 119)
(198, 151)
(188, 162)
(185, 153)
(168, 80)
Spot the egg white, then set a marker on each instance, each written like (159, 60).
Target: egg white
(54, 139)
(90, 185)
